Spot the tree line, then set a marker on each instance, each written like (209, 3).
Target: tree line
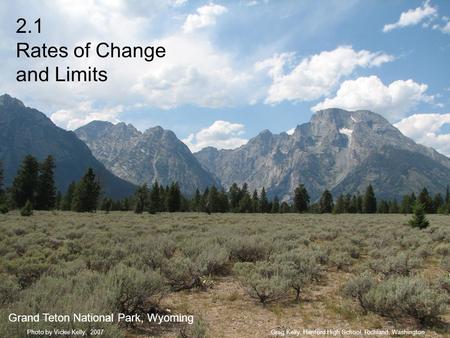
(34, 188)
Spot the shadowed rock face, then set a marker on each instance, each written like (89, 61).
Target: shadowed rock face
(338, 150)
(143, 157)
(26, 131)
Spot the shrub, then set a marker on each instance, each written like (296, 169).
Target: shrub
(407, 296)
(445, 263)
(133, 291)
(249, 249)
(263, 280)
(197, 330)
(214, 260)
(341, 260)
(402, 264)
(9, 288)
(358, 288)
(299, 268)
(444, 283)
(182, 273)
(27, 209)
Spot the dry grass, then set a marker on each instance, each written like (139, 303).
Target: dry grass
(226, 307)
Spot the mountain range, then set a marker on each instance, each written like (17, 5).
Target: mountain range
(339, 150)
(137, 157)
(26, 131)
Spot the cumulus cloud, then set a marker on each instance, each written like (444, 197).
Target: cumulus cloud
(393, 100)
(205, 16)
(413, 17)
(202, 76)
(83, 114)
(426, 129)
(315, 76)
(221, 135)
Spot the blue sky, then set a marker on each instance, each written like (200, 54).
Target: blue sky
(235, 68)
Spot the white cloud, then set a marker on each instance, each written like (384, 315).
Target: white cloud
(315, 76)
(193, 72)
(446, 28)
(392, 101)
(221, 134)
(425, 129)
(83, 114)
(205, 16)
(177, 3)
(413, 17)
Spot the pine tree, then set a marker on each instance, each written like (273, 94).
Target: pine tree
(68, 197)
(383, 207)
(419, 219)
(406, 205)
(235, 195)
(141, 199)
(301, 199)
(339, 207)
(275, 205)
(245, 203)
(213, 200)
(425, 199)
(107, 205)
(369, 201)
(438, 202)
(58, 200)
(196, 201)
(86, 194)
(326, 202)
(285, 208)
(255, 201)
(155, 198)
(27, 209)
(223, 200)
(46, 190)
(174, 198)
(263, 202)
(24, 187)
(393, 207)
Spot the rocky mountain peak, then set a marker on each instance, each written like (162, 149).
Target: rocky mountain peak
(155, 154)
(7, 100)
(324, 153)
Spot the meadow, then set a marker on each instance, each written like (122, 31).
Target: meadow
(239, 275)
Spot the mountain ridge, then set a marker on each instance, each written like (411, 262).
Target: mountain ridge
(143, 157)
(321, 154)
(25, 130)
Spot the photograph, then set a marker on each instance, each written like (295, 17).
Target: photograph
(224, 168)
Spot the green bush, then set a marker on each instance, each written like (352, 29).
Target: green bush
(402, 264)
(299, 268)
(182, 273)
(27, 209)
(132, 291)
(358, 288)
(407, 297)
(197, 330)
(9, 288)
(249, 248)
(264, 281)
(214, 260)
